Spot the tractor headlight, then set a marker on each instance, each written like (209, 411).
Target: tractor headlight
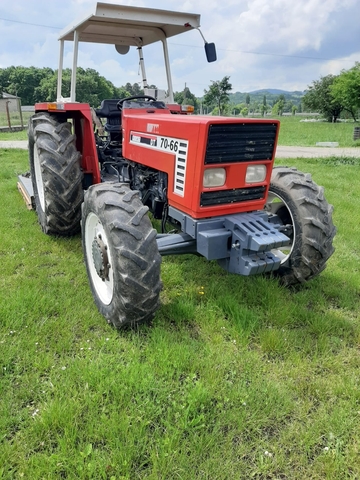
(214, 177)
(255, 173)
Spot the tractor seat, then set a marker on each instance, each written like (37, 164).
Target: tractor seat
(108, 109)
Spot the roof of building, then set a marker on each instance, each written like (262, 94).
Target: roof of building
(8, 95)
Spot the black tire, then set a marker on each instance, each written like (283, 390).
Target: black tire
(56, 174)
(121, 254)
(300, 203)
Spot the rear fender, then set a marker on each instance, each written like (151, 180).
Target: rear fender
(80, 115)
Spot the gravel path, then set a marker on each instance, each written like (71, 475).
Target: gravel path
(281, 151)
(23, 144)
(314, 152)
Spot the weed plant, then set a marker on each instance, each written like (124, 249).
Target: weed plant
(236, 378)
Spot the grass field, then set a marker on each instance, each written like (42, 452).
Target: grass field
(8, 136)
(237, 378)
(293, 132)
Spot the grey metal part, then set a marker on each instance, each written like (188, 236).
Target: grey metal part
(242, 243)
(175, 244)
(26, 189)
(27, 184)
(214, 244)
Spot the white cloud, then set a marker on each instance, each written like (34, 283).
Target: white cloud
(261, 43)
(335, 66)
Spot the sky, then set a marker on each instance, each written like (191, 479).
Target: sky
(261, 44)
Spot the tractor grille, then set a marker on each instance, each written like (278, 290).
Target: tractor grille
(222, 197)
(240, 142)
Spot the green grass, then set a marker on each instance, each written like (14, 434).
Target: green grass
(15, 121)
(294, 132)
(11, 136)
(237, 378)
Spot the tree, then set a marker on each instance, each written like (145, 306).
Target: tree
(91, 87)
(247, 100)
(133, 90)
(185, 97)
(278, 107)
(346, 90)
(40, 85)
(275, 109)
(320, 98)
(218, 93)
(22, 81)
(263, 110)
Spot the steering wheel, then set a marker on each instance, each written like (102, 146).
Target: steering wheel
(136, 97)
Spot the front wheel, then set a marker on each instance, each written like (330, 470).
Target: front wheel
(306, 217)
(121, 254)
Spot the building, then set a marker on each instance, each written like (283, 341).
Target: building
(12, 101)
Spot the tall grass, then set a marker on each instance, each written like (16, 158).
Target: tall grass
(236, 378)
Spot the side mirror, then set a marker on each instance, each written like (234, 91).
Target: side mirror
(210, 51)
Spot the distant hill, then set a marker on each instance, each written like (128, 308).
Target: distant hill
(272, 96)
(275, 91)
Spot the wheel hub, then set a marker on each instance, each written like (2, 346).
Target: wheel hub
(100, 258)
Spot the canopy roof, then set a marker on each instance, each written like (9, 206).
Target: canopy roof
(126, 25)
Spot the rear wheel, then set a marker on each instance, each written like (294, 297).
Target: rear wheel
(306, 217)
(56, 174)
(121, 254)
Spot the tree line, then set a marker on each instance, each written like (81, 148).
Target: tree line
(35, 85)
(220, 101)
(331, 96)
(335, 95)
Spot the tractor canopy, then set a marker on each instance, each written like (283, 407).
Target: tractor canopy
(126, 26)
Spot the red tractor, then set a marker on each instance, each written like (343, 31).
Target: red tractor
(210, 178)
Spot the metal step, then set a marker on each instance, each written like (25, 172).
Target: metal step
(25, 187)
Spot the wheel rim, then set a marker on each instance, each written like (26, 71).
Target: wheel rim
(277, 205)
(39, 179)
(98, 250)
